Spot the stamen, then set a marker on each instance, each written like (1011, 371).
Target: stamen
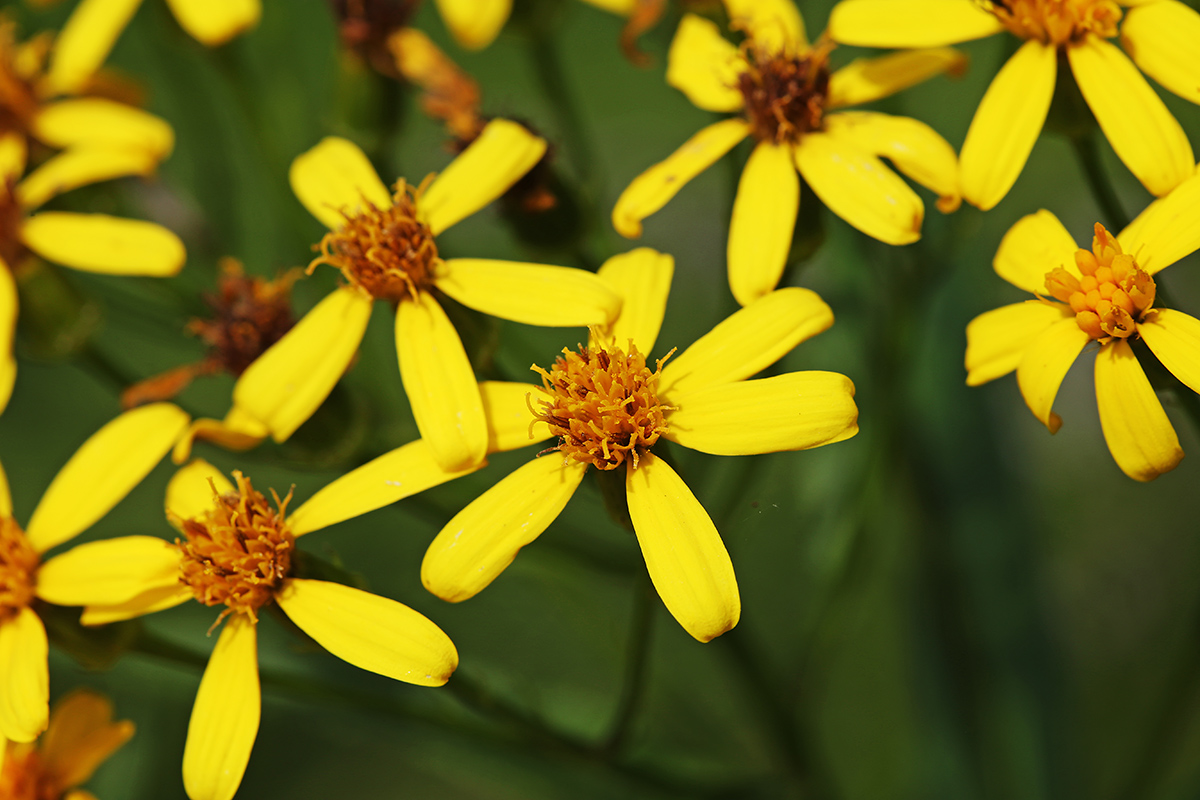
(1113, 292)
(18, 569)
(785, 96)
(1057, 22)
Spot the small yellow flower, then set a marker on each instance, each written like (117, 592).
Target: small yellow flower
(474, 24)
(1106, 295)
(784, 89)
(104, 469)
(1160, 35)
(608, 408)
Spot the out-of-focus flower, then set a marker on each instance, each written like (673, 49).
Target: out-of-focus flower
(1107, 295)
(365, 26)
(608, 409)
(784, 87)
(474, 24)
(1161, 36)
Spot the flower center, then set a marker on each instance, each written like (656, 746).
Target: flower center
(12, 216)
(1113, 292)
(1057, 22)
(18, 569)
(18, 74)
(785, 96)
(249, 315)
(23, 776)
(239, 552)
(387, 251)
(603, 405)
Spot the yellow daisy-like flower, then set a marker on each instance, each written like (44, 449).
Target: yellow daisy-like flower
(80, 737)
(1107, 296)
(1160, 35)
(102, 471)
(384, 244)
(608, 408)
(475, 24)
(236, 551)
(784, 87)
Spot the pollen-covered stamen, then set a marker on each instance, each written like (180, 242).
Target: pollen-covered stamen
(603, 405)
(389, 251)
(1057, 22)
(18, 569)
(1113, 292)
(785, 96)
(239, 551)
(249, 315)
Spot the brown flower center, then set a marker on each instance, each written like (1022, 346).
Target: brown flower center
(18, 569)
(784, 95)
(1112, 294)
(12, 216)
(249, 315)
(388, 251)
(1057, 22)
(19, 73)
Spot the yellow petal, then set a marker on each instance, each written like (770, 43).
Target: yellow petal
(474, 23)
(535, 294)
(501, 155)
(774, 26)
(1136, 121)
(1161, 37)
(1037, 244)
(85, 41)
(370, 632)
(997, 340)
(335, 180)
(684, 554)
(1045, 364)
(860, 189)
(13, 153)
(102, 471)
(484, 538)
(238, 431)
(1174, 338)
(97, 122)
(909, 23)
(191, 489)
(392, 476)
(864, 80)
(704, 65)
(158, 599)
(100, 243)
(108, 572)
(651, 190)
(1007, 124)
(81, 736)
(622, 7)
(1136, 428)
(286, 384)
(1171, 230)
(5, 495)
(8, 330)
(748, 341)
(225, 717)
(81, 166)
(764, 216)
(24, 676)
(511, 425)
(642, 277)
(214, 22)
(440, 384)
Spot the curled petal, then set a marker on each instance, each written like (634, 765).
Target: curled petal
(1136, 428)
(774, 26)
(238, 431)
(704, 65)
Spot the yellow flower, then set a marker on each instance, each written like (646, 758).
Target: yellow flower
(783, 87)
(384, 244)
(1161, 36)
(237, 552)
(608, 408)
(1107, 295)
(474, 24)
(81, 736)
(104, 469)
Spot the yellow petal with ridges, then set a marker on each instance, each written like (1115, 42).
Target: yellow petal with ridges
(192, 489)
(108, 572)
(225, 717)
(774, 26)
(214, 22)
(1037, 244)
(1144, 134)
(102, 471)
(85, 41)
(499, 157)
(474, 23)
(13, 153)
(440, 384)
(100, 243)
(1169, 231)
(484, 538)
(97, 122)
(642, 277)
(1044, 366)
(157, 599)
(651, 190)
(1174, 338)
(997, 339)
(684, 554)
(909, 23)
(1161, 38)
(1136, 428)
(370, 632)
(511, 425)
(8, 330)
(865, 80)
(286, 384)
(238, 431)
(764, 216)
(534, 294)
(335, 179)
(81, 166)
(747, 342)
(705, 66)
(1007, 124)
(24, 676)
(81, 736)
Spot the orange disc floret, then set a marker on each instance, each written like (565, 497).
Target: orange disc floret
(785, 96)
(18, 569)
(1111, 295)
(22, 776)
(1058, 22)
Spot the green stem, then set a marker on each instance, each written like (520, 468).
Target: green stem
(636, 667)
(1088, 152)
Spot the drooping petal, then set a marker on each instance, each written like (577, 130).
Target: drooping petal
(24, 676)
(684, 554)
(440, 384)
(8, 330)
(535, 294)
(997, 339)
(774, 26)
(85, 41)
(485, 537)
(238, 431)
(1036, 245)
(860, 189)
(909, 23)
(704, 65)
(148, 602)
(192, 489)
(499, 157)
(286, 384)
(81, 736)
(1136, 428)
(97, 122)
(13, 153)
(764, 216)
(1174, 338)
(225, 717)
(1144, 134)
(100, 243)
(335, 179)
(1161, 37)
(474, 23)
(81, 166)
(651, 190)
(102, 471)
(214, 22)
(511, 425)
(865, 80)
(1171, 230)
(747, 341)
(108, 572)
(642, 277)
(1044, 366)
(1007, 124)
(370, 632)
